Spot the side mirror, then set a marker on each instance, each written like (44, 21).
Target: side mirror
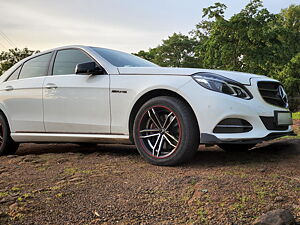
(89, 68)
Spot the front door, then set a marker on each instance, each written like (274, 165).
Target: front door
(75, 103)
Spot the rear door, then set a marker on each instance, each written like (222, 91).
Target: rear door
(75, 103)
(22, 94)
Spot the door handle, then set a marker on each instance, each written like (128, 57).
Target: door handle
(51, 86)
(9, 88)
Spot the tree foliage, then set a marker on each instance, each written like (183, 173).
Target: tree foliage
(12, 56)
(177, 51)
(253, 40)
(290, 77)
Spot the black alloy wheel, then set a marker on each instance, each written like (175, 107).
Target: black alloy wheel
(166, 131)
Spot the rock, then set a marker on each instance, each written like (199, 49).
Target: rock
(279, 199)
(37, 161)
(28, 160)
(276, 217)
(96, 213)
(11, 156)
(262, 170)
(13, 207)
(75, 179)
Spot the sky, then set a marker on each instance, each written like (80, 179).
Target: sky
(127, 25)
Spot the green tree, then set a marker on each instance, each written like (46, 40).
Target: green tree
(148, 55)
(289, 73)
(176, 51)
(290, 78)
(244, 42)
(12, 56)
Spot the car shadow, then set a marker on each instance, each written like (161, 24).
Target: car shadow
(275, 151)
(39, 149)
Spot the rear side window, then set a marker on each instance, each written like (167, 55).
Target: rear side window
(14, 75)
(36, 67)
(66, 61)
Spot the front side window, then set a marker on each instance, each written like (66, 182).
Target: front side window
(15, 74)
(36, 67)
(66, 61)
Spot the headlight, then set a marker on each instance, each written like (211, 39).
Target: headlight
(221, 84)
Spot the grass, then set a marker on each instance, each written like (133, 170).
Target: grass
(296, 115)
(202, 215)
(16, 189)
(3, 194)
(59, 195)
(54, 188)
(70, 171)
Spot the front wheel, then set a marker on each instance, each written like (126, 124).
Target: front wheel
(166, 131)
(236, 147)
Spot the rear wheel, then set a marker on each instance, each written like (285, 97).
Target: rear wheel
(236, 147)
(166, 131)
(7, 145)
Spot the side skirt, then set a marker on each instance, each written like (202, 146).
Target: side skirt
(63, 137)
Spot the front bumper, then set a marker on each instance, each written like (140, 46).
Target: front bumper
(212, 139)
(212, 107)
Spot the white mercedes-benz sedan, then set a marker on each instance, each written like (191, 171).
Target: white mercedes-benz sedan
(87, 94)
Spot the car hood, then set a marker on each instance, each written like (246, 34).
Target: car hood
(243, 78)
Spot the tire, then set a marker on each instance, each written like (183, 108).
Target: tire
(7, 145)
(166, 131)
(236, 147)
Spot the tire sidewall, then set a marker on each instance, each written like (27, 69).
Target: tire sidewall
(178, 154)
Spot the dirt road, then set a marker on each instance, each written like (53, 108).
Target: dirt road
(111, 184)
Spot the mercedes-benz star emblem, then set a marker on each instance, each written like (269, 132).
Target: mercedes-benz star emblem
(282, 94)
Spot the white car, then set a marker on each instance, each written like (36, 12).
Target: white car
(87, 94)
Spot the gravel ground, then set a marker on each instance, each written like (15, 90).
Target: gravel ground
(112, 184)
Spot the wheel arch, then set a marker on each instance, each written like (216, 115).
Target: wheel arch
(147, 96)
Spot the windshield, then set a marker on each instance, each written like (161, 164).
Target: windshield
(122, 59)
